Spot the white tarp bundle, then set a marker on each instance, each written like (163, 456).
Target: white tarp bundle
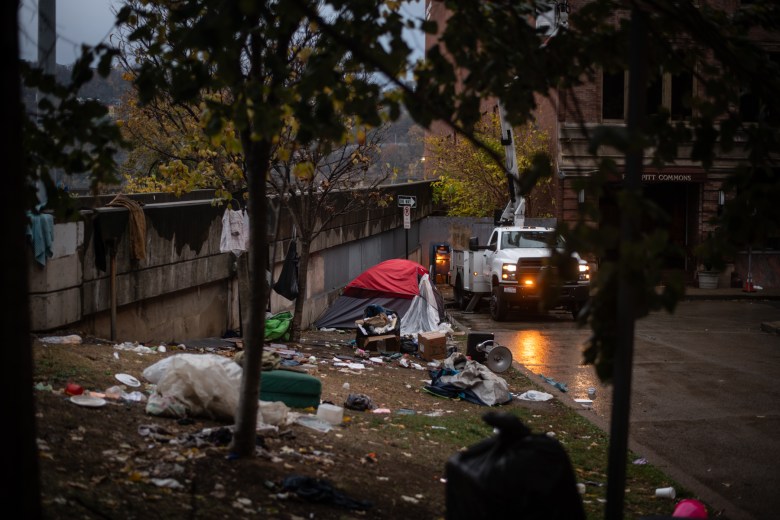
(423, 315)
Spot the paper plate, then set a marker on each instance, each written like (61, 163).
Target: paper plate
(128, 379)
(87, 400)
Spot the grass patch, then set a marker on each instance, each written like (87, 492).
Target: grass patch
(586, 445)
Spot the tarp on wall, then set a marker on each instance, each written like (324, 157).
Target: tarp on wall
(399, 285)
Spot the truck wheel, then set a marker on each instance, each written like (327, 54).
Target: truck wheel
(576, 307)
(460, 295)
(497, 305)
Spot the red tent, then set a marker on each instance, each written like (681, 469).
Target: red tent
(392, 284)
(398, 277)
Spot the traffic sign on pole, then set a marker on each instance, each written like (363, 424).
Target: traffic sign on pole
(407, 200)
(407, 217)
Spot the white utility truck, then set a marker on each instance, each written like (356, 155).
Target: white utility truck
(514, 266)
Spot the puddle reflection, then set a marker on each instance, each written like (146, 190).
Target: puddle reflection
(528, 347)
(548, 355)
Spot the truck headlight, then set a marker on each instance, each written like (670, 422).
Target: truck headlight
(509, 272)
(584, 274)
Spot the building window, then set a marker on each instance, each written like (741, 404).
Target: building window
(672, 92)
(613, 95)
(751, 107)
(681, 96)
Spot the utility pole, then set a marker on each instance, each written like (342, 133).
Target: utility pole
(626, 309)
(47, 57)
(47, 35)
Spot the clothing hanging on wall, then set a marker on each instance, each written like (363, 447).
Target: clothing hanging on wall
(235, 230)
(40, 231)
(137, 225)
(287, 284)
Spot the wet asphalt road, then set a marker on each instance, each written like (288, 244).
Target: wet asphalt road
(705, 393)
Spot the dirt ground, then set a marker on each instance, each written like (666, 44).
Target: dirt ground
(118, 461)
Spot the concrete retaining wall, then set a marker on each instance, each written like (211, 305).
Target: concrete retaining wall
(185, 287)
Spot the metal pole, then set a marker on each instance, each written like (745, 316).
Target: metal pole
(621, 400)
(112, 286)
(47, 60)
(47, 35)
(406, 250)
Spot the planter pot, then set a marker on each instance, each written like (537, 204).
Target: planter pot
(708, 279)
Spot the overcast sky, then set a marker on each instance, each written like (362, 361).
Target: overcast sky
(91, 22)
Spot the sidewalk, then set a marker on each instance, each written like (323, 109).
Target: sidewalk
(694, 293)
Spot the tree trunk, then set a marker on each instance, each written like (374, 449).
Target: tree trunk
(19, 459)
(303, 276)
(253, 322)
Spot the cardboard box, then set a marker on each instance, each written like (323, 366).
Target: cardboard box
(384, 343)
(432, 345)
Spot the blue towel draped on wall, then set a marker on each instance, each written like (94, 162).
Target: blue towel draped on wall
(40, 230)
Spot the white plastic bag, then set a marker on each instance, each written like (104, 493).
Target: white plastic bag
(207, 385)
(153, 373)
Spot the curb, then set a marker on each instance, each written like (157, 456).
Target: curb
(771, 326)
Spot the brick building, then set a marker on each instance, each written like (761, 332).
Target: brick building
(689, 194)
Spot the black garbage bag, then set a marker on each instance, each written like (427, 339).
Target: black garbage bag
(287, 284)
(359, 402)
(514, 474)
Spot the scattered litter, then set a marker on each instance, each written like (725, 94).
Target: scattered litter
(321, 491)
(377, 360)
(438, 427)
(409, 499)
(134, 347)
(351, 366)
(560, 386)
(584, 402)
(154, 432)
(640, 461)
(43, 387)
(359, 402)
(136, 397)
(594, 483)
(534, 395)
(315, 423)
(88, 401)
(166, 406)
(330, 413)
(74, 389)
(382, 410)
(405, 411)
(665, 492)
(72, 339)
(171, 483)
(128, 380)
